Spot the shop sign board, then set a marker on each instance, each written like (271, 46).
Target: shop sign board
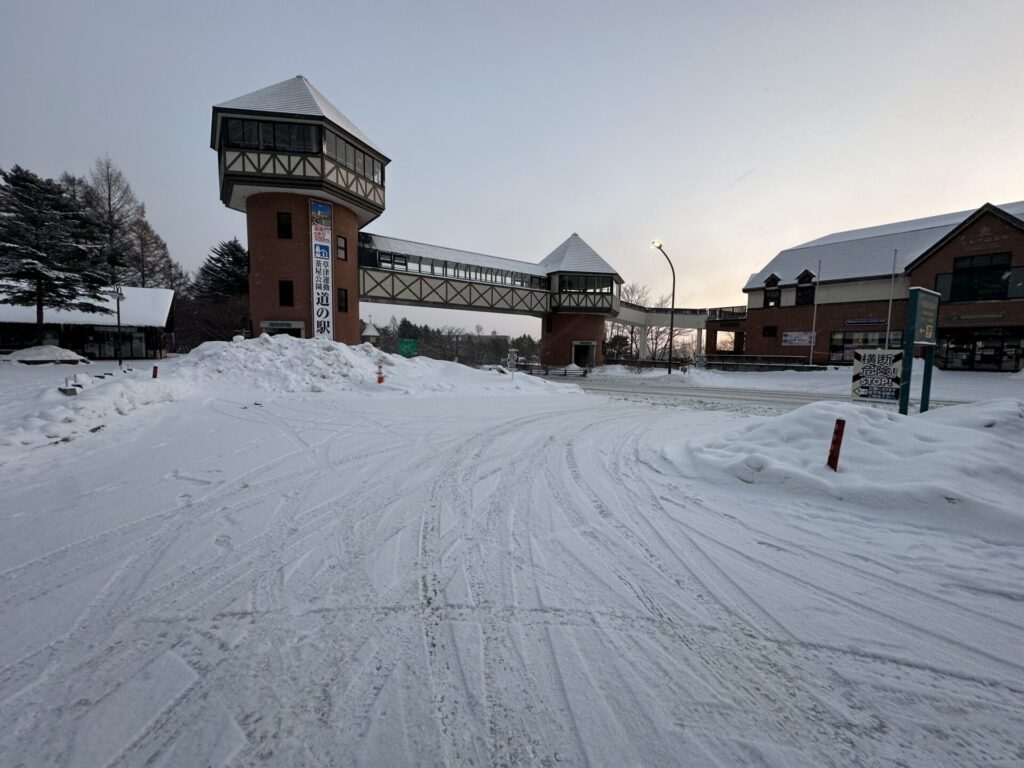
(877, 374)
(796, 338)
(320, 215)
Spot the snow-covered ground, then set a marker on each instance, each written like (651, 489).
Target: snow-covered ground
(263, 557)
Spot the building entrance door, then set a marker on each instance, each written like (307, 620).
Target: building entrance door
(584, 354)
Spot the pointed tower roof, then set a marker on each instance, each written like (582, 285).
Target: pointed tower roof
(295, 98)
(574, 255)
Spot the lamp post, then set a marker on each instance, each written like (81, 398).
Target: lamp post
(118, 297)
(656, 244)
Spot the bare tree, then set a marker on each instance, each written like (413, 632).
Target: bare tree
(114, 208)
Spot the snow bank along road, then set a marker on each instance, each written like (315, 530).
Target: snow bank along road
(337, 579)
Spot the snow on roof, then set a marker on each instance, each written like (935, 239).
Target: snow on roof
(142, 307)
(296, 96)
(574, 255)
(864, 253)
(440, 253)
(370, 331)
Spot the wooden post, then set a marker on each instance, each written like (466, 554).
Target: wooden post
(837, 443)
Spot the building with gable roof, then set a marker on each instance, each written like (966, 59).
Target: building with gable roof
(841, 286)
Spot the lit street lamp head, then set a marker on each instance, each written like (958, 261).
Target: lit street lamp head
(656, 244)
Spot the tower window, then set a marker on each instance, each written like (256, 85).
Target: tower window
(286, 293)
(343, 300)
(342, 248)
(284, 226)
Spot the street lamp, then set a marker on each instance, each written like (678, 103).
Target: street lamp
(119, 297)
(656, 244)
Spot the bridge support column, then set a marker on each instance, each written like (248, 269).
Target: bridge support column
(699, 351)
(642, 353)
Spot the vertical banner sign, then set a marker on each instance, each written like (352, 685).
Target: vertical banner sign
(320, 237)
(876, 374)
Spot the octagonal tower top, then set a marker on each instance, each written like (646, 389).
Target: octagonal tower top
(289, 137)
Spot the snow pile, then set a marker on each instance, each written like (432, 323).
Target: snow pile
(283, 363)
(624, 372)
(99, 402)
(954, 468)
(47, 353)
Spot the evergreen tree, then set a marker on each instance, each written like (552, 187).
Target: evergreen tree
(49, 253)
(216, 304)
(225, 271)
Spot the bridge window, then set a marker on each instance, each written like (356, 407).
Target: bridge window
(585, 283)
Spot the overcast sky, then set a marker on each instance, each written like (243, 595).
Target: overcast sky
(729, 130)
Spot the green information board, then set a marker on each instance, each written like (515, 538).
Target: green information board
(922, 327)
(408, 347)
(927, 318)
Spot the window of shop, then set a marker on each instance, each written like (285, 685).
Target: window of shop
(770, 331)
(986, 277)
(843, 343)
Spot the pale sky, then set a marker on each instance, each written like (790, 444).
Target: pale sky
(729, 130)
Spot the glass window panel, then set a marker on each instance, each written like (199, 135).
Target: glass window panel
(360, 159)
(332, 145)
(250, 134)
(1015, 289)
(281, 139)
(266, 136)
(234, 134)
(350, 155)
(944, 284)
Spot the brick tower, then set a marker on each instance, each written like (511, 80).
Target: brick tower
(308, 180)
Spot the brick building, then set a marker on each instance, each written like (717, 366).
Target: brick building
(839, 287)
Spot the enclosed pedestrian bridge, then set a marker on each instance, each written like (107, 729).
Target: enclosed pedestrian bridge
(572, 278)
(309, 180)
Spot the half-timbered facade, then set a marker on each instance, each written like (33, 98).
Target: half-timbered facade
(309, 180)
